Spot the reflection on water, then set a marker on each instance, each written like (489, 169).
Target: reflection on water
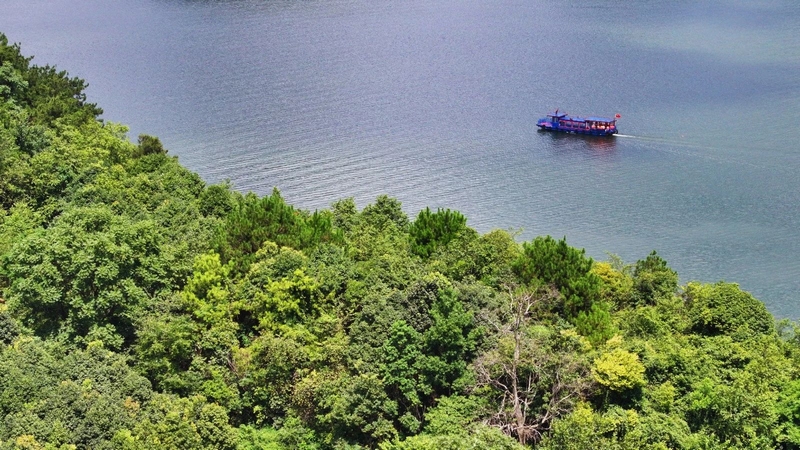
(597, 144)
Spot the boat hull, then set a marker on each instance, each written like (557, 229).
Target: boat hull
(590, 126)
(578, 131)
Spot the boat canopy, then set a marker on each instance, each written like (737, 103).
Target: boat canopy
(600, 119)
(564, 116)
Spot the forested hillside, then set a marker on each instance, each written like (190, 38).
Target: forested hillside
(141, 308)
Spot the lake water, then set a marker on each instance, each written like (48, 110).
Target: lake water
(434, 102)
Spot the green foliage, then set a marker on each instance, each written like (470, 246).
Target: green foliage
(9, 329)
(348, 408)
(254, 221)
(475, 437)
(584, 428)
(616, 286)
(90, 269)
(216, 200)
(789, 410)
(292, 436)
(433, 230)
(418, 366)
(740, 417)
(165, 349)
(401, 368)
(383, 212)
(653, 279)
(595, 323)
(46, 93)
(485, 258)
(167, 422)
(20, 221)
(618, 370)
(67, 397)
(149, 145)
(723, 308)
(453, 415)
(554, 262)
(449, 343)
(270, 365)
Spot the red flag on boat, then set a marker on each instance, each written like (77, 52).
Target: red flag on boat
(617, 116)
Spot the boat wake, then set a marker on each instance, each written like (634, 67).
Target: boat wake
(694, 149)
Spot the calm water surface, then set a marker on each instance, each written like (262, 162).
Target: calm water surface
(434, 101)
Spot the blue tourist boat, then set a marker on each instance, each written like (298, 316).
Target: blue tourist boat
(595, 126)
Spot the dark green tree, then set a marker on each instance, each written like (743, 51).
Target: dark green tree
(91, 273)
(216, 200)
(385, 211)
(545, 260)
(420, 366)
(433, 230)
(50, 94)
(150, 145)
(254, 221)
(653, 279)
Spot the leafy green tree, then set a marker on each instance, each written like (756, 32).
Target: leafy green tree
(62, 396)
(418, 366)
(495, 253)
(254, 221)
(737, 415)
(433, 230)
(345, 214)
(15, 224)
(49, 94)
(401, 367)
(385, 211)
(449, 343)
(485, 258)
(653, 279)
(91, 270)
(64, 159)
(216, 200)
(167, 422)
(149, 145)
(291, 436)
(269, 368)
(165, 348)
(616, 429)
(346, 409)
(789, 410)
(554, 262)
(723, 308)
(618, 370)
(595, 323)
(616, 285)
(9, 329)
(12, 84)
(545, 260)
(474, 437)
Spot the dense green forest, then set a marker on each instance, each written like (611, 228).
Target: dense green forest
(141, 308)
